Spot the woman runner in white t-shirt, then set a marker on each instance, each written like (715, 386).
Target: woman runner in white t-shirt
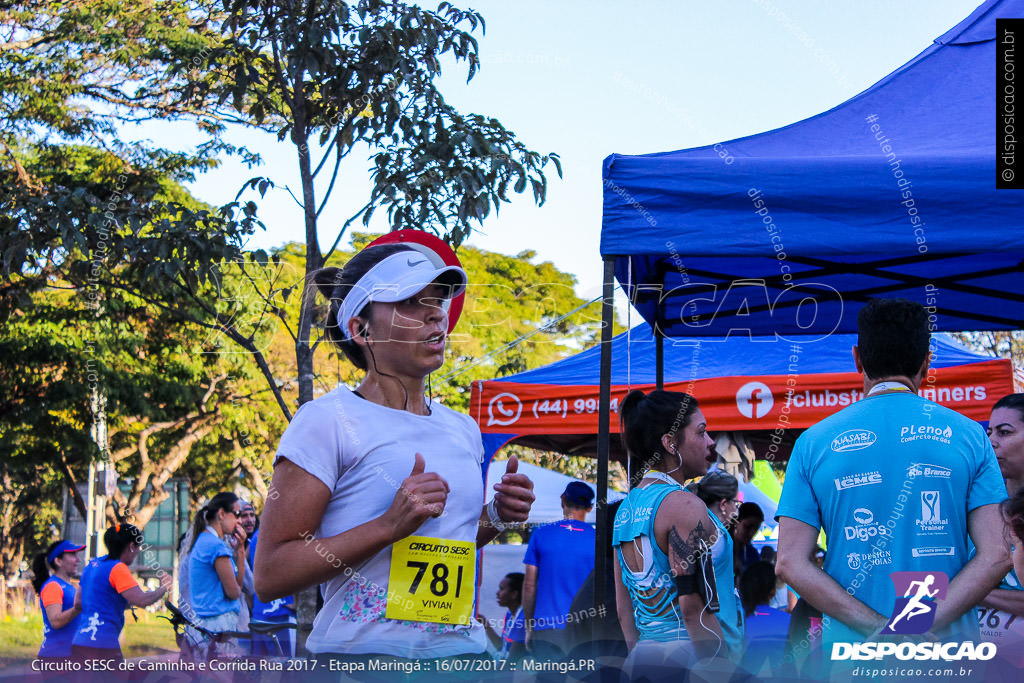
(378, 494)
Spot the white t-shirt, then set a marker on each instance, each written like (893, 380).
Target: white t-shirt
(362, 452)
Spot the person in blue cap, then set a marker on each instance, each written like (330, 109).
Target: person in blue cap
(58, 596)
(558, 560)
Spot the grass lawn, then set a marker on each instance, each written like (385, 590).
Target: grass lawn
(20, 638)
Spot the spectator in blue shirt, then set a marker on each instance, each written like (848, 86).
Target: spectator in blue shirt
(558, 560)
(766, 627)
(513, 629)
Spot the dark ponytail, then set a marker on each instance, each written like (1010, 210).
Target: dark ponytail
(644, 419)
(225, 500)
(41, 568)
(334, 283)
(118, 537)
(1013, 514)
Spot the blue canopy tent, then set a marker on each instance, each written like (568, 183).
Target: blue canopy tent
(892, 193)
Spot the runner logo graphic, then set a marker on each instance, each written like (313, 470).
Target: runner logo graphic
(914, 612)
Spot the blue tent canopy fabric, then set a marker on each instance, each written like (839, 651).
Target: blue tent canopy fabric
(892, 193)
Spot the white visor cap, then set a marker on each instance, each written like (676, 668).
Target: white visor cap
(397, 278)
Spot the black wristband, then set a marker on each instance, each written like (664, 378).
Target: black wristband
(685, 585)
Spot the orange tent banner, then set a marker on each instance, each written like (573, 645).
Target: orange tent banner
(768, 402)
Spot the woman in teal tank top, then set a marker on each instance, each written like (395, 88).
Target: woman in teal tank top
(665, 584)
(718, 490)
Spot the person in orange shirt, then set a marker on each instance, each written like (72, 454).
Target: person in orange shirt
(108, 588)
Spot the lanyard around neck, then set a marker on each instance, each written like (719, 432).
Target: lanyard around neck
(889, 386)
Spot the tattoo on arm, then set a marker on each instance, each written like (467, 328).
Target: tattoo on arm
(685, 555)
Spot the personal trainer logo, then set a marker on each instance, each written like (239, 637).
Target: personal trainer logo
(931, 520)
(754, 400)
(853, 440)
(914, 612)
(929, 432)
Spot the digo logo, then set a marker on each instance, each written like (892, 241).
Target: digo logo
(930, 432)
(865, 527)
(853, 440)
(914, 613)
(754, 400)
(499, 414)
(853, 480)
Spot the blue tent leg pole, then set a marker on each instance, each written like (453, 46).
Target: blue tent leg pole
(659, 357)
(603, 438)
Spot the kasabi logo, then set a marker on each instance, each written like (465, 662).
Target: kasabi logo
(853, 440)
(914, 612)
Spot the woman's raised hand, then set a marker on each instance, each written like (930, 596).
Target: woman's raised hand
(421, 495)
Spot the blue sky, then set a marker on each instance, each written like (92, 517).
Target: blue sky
(586, 79)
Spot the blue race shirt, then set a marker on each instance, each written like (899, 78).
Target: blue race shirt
(891, 479)
(513, 631)
(208, 599)
(766, 631)
(563, 553)
(102, 617)
(274, 611)
(57, 641)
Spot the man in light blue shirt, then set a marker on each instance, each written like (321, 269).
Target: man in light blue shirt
(899, 484)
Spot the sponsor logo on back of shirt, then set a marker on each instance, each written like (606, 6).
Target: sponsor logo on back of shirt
(931, 520)
(853, 480)
(920, 469)
(853, 440)
(910, 433)
(875, 558)
(935, 551)
(864, 527)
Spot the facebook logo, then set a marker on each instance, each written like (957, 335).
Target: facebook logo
(754, 400)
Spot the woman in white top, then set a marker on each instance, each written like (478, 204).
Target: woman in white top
(378, 493)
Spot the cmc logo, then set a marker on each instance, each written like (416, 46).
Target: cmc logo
(853, 440)
(499, 414)
(754, 400)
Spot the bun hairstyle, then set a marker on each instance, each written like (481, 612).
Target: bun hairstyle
(645, 418)
(225, 500)
(1014, 401)
(714, 487)
(334, 283)
(118, 537)
(41, 568)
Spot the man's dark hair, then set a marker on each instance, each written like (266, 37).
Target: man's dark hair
(892, 337)
(515, 582)
(750, 510)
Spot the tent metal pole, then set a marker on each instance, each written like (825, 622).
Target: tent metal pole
(603, 539)
(659, 357)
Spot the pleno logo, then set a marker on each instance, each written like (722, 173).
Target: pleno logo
(915, 612)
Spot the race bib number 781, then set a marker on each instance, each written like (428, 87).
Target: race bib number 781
(432, 579)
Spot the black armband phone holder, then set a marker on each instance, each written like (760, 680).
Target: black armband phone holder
(685, 585)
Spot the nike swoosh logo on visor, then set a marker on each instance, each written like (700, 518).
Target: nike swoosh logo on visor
(411, 264)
